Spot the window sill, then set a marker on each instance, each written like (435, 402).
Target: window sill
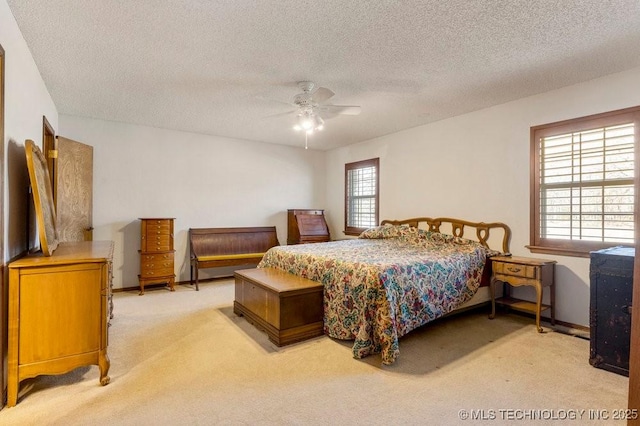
(354, 232)
(567, 251)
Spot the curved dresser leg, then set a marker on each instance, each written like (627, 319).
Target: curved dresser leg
(12, 391)
(104, 364)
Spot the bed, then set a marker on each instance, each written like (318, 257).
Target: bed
(395, 277)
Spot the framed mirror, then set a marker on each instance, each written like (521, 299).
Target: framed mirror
(42, 197)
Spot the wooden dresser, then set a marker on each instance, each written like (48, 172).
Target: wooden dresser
(156, 252)
(59, 311)
(306, 226)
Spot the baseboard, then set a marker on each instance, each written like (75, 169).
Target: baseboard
(564, 327)
(161, 285)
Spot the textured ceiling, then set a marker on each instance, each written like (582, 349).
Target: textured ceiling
(224, 67)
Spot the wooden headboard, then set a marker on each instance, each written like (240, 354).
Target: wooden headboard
(457, 227)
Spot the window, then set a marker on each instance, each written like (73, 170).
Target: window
(361, 196)
(582, 188)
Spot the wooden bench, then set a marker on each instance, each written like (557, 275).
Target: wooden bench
(218, 247)
(288, 307)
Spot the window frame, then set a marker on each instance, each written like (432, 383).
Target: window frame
(372, 162)
(576, 248)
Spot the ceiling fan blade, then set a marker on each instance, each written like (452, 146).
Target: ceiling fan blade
(262, 98)
(342, 109)
(322, 94)
(281, 114)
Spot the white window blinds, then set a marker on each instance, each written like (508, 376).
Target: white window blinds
(362, 197)
(587, 185)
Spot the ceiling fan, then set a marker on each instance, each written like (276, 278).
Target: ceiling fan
(311, 105)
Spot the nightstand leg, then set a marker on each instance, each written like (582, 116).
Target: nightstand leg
(492, 292)
(538, 306)
(552, 300)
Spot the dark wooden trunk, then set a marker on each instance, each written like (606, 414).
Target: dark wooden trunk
(611, 275)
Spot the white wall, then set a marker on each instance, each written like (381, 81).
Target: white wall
(476, 167)
(202, 181)
(26, 101)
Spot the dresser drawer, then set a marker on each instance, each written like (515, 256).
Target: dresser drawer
(514, 270)
(152, 264)
(158, 222)
(157, 243)
(156, 270)
(156, 258)
(157, 230)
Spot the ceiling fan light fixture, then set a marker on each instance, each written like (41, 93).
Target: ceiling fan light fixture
(309, 122)
(310, 103)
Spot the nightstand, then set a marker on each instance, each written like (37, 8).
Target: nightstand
(521, 271)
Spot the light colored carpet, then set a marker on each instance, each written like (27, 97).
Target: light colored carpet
(184, 358)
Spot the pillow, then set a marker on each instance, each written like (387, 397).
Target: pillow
(383, 231)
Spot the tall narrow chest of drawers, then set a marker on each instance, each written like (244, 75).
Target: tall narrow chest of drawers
(156, 252)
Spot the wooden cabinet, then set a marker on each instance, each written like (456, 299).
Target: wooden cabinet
(59, 312)
(156, 252)
(523, 271)
(611, 287)
(306, 226)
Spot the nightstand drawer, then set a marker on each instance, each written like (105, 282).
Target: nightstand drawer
(515, 270)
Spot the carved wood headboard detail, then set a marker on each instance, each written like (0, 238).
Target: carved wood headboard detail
(482, 229)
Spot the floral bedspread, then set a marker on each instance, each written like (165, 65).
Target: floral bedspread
(391, 280)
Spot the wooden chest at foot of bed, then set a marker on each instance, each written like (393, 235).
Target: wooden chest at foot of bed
(287, 307)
